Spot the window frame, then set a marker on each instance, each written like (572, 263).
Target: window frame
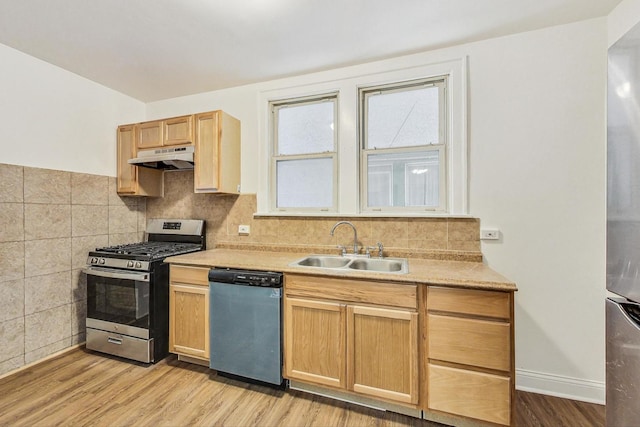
(345, 81)
(364, 92)
(274, 107)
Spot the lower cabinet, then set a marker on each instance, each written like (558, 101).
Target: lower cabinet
(445, 351)
(189, 312)
(345, 344)
(315, 341)
(382, 352)
(469, 342)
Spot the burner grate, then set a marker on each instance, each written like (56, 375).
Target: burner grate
(151, 249)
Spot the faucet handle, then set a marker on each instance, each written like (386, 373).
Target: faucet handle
(380, 250)
(343, 250)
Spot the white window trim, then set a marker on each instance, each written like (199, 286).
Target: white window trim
(346, 81)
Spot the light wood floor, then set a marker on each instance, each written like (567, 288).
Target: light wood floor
(81, 388)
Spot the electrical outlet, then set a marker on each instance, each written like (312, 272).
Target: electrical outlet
(488, 234)
(244, 230)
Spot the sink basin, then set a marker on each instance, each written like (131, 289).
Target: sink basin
(326, 261)
(383, 265)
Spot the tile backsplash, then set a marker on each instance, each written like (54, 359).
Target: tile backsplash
(49, 221)
(419, 236)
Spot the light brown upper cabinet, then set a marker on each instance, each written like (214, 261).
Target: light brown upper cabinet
(150, 134)
(215, 136)
(217, 153)
(132, 180)
(178, 131)
(126, 149)
(159, 133)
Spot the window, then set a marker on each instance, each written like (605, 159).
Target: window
(303, 165)
(398, 147)
(403, 141)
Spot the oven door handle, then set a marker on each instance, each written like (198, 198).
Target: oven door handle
(110, 274)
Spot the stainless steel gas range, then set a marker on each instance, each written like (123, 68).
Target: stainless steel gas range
(128, 290)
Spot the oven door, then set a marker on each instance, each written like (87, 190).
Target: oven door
(118, 296)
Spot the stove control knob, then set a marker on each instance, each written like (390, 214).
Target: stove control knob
(94, 260)
(138, 264)
(101, 260)
(130, 264)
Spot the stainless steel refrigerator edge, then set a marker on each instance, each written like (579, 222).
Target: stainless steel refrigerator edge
(623, 232)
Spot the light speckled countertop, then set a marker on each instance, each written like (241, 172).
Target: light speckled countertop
(422, 271)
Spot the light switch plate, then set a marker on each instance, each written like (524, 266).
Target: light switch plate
(244, 230)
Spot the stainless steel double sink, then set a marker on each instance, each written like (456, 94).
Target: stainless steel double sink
(384, 265)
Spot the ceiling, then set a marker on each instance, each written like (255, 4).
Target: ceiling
(158, 49)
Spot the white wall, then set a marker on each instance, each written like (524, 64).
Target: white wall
(537, 172)
(538, 160)
(54, 119)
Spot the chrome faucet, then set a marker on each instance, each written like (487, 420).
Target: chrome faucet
(355, 234)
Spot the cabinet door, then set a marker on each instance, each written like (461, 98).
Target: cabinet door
(382, 352)
(178, 130)
(207, 153)
(189, 320)
(126, 178)
(150, 134)
(314, 344)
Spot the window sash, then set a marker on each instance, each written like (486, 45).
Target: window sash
(364, 187)
(277, 106)
(441, 147)
(366, 93)
(275, 157)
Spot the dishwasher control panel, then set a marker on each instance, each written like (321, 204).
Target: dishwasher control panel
(246, 277)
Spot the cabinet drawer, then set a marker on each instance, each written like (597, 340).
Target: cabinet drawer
(469, 341)
(470, 301)
(387, 294)
(191, 275)
(470, 394)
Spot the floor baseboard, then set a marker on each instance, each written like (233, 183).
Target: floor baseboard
(51, 356)
(561, 386)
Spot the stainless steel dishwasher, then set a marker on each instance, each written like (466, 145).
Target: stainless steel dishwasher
(246, 324)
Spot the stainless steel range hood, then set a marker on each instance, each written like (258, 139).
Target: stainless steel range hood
(165, 158)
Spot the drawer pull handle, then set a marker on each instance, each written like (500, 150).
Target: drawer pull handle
(114, 341)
